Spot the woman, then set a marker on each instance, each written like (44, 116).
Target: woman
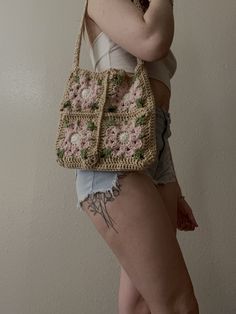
(139, 211)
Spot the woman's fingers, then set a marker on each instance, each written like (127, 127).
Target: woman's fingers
(185, 217)
(189, 212)
(186, 210)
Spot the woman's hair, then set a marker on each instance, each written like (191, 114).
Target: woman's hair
(144, 4)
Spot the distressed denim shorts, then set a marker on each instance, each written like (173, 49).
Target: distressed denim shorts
(89, 183)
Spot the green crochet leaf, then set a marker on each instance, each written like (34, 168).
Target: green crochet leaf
(67, 104)
(66, 123)
(91, 126)
(139, 154)
(105, 152)
(117, 79)
(134, 77)
(60, 152)
(140, 102)
(141, 135)
(84, 153)
(99, 81)
(140, 120)
(94, 106)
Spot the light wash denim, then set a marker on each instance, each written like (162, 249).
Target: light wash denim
(162, 171)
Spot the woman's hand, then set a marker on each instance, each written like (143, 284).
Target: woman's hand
(185, 217)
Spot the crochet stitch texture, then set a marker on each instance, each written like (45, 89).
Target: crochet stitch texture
(107, 118)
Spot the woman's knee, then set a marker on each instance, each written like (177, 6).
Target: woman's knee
(187, 302)
(137, 307)
(182, 302)
(142, 307)
(130, 299)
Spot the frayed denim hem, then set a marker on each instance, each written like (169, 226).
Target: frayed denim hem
(113, 187)
(97, 201)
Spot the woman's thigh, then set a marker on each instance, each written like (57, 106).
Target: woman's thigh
(145, 244)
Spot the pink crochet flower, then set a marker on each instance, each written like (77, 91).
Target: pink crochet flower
(123, 139)
(83, 79)
(134, 93)
(76, 138)
(124, 97)
(83, 94)
(116, 98)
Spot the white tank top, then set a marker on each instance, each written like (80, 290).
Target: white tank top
(105, 53)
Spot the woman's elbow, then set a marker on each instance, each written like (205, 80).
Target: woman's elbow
(156, 54)
(156, 49)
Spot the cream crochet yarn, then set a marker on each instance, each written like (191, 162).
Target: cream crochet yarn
(107, 118)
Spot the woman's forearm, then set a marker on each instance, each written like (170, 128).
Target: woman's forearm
(159, 16)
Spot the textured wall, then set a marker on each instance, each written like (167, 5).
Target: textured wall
(51, 258)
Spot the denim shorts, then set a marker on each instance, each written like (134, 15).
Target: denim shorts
(89, 183)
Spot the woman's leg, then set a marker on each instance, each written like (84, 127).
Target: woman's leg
(146, 246)
(130, 301)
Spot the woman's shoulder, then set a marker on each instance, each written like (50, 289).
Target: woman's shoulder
(123, 23)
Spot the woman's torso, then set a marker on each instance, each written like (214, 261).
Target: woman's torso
(161, 92)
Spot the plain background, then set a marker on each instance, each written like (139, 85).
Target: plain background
(52, 260)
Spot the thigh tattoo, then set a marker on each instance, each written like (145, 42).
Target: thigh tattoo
(97, 201)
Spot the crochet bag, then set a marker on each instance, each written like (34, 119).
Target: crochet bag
(107, 118)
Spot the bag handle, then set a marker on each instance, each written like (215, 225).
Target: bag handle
(81, 29)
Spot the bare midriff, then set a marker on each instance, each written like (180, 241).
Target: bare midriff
(160, 91)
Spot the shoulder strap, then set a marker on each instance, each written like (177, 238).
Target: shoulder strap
(81, 30)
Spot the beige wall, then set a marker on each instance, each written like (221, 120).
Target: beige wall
(51, 258)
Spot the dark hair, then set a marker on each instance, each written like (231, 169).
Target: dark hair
(144, 4)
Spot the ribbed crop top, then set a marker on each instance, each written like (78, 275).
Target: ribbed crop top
(105, 53)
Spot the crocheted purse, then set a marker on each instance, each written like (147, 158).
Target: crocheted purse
(107, 118)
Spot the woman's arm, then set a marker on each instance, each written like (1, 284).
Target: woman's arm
(159, 16)
(185, 217)
(148, 36)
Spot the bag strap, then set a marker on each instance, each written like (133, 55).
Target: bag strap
(81, 30)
